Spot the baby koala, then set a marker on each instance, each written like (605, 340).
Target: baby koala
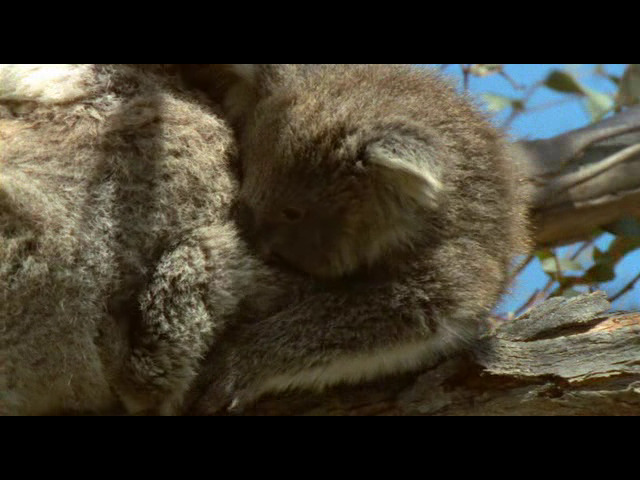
(391, 191)
(353, 167)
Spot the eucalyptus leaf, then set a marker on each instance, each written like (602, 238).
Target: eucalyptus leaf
(551, 265)
(598, 104)
(563, 82)
(544, 254)
(614, 79)
(484, 69)
(627, 226)
(629, 93)
(496, 103)
(620, 247)
(598, 254)
(601, 272)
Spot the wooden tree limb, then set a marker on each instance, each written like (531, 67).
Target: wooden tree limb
(585, 179)
(565, 357)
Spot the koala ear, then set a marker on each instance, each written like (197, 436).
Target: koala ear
(407, 166)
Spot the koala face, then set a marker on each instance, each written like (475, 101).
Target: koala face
(304, 219)
(329, 194)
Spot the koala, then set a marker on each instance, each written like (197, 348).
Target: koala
(369, 234)
(116, 192)
(391, 192)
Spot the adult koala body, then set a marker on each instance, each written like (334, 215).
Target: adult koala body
(109, 175)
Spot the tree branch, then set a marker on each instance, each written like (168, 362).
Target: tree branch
(565, 357)
(584, 179)
(568, 180)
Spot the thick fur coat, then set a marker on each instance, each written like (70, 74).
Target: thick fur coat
(124, 279)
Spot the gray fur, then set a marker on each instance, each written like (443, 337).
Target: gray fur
(96, 196)
(124, 280)
(390, 189)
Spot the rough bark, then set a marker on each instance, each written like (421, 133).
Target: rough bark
(565, 357)
(579, 187)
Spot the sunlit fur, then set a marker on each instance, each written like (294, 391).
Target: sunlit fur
(44, 83)
(125, 282)
(103, 171)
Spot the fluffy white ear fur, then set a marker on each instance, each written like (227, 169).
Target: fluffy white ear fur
(45, 83)
(407, 166)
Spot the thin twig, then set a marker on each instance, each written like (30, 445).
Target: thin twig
(586, 244)
(466, 70)
(628, 287)
(521, 266)
(536, 296)
(559, 275)
(543, 294)
(513, 83)
(552, 104)
(525, 99)
(512, 116)
(525, 306)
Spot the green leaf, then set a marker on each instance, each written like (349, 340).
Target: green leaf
(626, 226)
(614, 79)
(598, 104)
(563, 82)
(484, 69)
(551, 265)
(621, 246)
(495, 103)
(543, 254)
(598, 254)
(517, 105)
(629, 93)
(601, 272)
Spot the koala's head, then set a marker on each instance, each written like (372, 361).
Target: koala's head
(340, 166)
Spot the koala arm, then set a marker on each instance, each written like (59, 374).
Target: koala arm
(343, 336)
(194, 291)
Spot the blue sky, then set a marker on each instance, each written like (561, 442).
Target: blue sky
(545, 123)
